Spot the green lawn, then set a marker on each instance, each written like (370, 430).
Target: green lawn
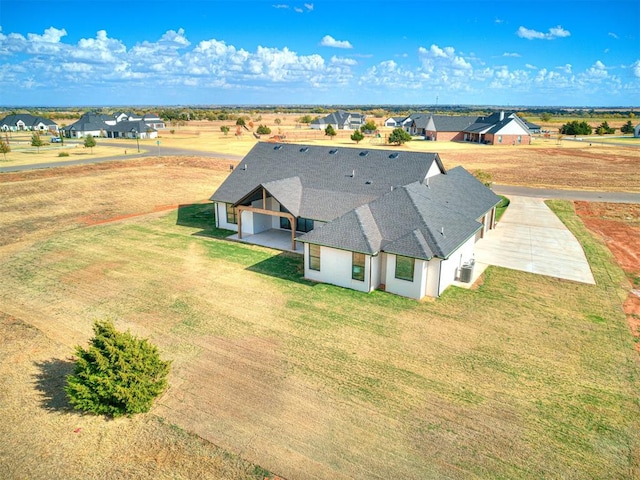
(525, 377)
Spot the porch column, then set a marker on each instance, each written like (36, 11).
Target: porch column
(293, 233)
(239, 224)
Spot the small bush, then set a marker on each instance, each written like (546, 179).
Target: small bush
(63, 154)
(117, 375)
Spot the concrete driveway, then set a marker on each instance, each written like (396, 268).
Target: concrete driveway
(530, 238)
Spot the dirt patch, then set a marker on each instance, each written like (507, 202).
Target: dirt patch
(619, 226)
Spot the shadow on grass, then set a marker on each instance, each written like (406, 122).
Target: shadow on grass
(201, 215)
(286, 266)
(50, 382)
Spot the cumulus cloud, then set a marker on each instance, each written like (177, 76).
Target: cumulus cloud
(329, 41)
(636, 68)
(597, 71)
(443, 61)
(531, 67)
(343, 61)
(553, 33)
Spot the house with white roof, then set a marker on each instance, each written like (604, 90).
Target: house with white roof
(363, 219)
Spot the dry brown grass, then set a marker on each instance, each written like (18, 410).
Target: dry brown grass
(525, 377)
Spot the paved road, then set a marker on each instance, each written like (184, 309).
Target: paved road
(149, 152)
(547, 193)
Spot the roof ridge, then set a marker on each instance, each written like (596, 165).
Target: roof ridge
(366, 210)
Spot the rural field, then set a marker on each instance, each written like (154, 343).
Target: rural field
(523, 376)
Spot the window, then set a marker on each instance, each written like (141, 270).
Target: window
(519, 139)
(499, 138)
(231, 214)
(404, 268)
(314, 257)
(357, 266)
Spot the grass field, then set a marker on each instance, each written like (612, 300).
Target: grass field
(524, 377)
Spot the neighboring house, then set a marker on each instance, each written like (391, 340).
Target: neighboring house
(448, 127)
(118, 125)
(377, 219)
(88, 124)
(394, 122)
(636, 131)
(339, 120)
(134, 129)
(26, 121)
(533, 128)
(498, 129)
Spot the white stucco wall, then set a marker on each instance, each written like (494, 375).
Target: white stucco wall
(335, 268)
(221, 218)
(415, 289)
(450, 266)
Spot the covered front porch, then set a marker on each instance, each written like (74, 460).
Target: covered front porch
(273, 238)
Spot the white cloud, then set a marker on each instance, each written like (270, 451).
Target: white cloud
(48, 43)
(298, 10)
(329, 41)
(280, 6)
(343, 61)
(531, 67)
(442, 61)
(309, 6)
(499, 20)
(597, 71)
(511, 54)
(611, 34)
(566, 68)
(553, 33)
(636, 68)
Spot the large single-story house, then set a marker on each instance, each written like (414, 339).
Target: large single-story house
(118, 125)
(339, 120)
(26, 121)
(498, 129)
(367, 219)
(395, 122)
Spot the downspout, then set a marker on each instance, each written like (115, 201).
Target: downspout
(439, 278)
(370, 274)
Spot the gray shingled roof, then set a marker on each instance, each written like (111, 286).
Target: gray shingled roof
(453, 123)
(26, 118)
(416, 220)
(332, 184)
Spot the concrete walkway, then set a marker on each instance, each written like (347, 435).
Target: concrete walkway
(530, 238)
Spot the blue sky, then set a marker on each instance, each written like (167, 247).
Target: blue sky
(202, 52)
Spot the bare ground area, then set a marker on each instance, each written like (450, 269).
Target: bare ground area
(525, 377)
(619, 227)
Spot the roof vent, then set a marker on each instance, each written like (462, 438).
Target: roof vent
(277, 147)
(353, 173)
(304, 149)
(333, 152)
(364, 153)
(442, 231)
(368, 182)
(230, 167)
(394, 155)
(244, 167)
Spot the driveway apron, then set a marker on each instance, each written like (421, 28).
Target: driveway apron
(531, 238)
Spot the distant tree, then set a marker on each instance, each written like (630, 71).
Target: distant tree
(576, 128)
(399, 136)
(118, 374)
(258, 118)
(277, 121)
(330, 131)
(305, 119)
(545, 117)
(627, 127)
(370, 126)
(604, 129)
(251, 125)
(263, 130)
(240, 122)
(4, 148)
(36, 141)
(357, 136)
(89, 141)
(224, 129)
